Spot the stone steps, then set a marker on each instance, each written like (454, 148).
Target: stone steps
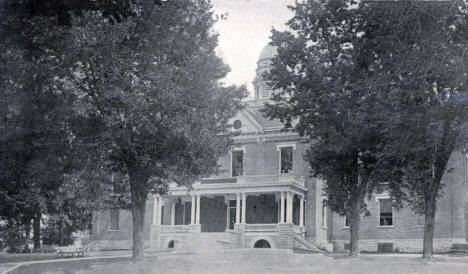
(303, 246)
(209, 241)
(154, 239)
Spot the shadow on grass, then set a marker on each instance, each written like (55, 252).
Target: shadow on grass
(67, 267)
(13, 258)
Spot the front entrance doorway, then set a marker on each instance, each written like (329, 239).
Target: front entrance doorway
(232, 213)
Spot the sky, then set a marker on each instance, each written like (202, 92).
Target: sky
(245, 32)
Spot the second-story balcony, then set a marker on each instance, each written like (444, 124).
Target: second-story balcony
(268, 179)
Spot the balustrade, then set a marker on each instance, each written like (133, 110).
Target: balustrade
(261, 227)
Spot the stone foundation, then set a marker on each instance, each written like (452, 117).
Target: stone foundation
(237, 238)
(399, 245)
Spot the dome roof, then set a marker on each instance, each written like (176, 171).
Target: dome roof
(268, 52)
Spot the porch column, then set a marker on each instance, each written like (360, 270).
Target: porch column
(184, 212)
(289, 206)
(198, 210)
(301, 212)
(155, 210)
(160, 204)
(173, 203)
(192, 212)
(237, 208)
(281, 220)
(244, 198)
(228, 213)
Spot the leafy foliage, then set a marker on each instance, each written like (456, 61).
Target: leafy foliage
(38, 156)
(325, 71)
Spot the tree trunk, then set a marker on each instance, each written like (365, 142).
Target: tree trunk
(138, 205)
(429, 221)
(60, 231)
(27, 230)
(37, 230)
(138, 211)
(67, 234)
(355, 219)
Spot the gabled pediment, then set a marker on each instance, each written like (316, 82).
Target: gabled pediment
(244, 122)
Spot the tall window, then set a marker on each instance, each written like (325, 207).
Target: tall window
(114, 219)
(237, 163)
(386, 212)
(346, 221)
(286, 159)
(324, 213)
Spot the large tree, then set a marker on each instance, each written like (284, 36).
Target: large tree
(325, 75)
(150, 86)
(426, 56)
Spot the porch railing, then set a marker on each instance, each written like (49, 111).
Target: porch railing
(175, 228)
(261, 227)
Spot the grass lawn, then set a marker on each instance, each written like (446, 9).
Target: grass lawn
(257, 261)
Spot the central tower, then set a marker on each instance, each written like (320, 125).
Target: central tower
(261, 90)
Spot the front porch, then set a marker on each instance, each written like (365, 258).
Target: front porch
(244, 213)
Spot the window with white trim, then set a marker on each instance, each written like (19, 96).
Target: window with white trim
(114, 219)
(237, 163)
(345, 222)
(385, 212)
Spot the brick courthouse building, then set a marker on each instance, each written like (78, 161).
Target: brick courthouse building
(263, 196)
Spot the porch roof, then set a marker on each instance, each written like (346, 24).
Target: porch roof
(244, 184)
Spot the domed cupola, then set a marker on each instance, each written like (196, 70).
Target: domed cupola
(263, 65)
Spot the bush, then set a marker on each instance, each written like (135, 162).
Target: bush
(13, 238)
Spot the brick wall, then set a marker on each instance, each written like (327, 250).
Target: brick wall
(104, 239)
(310, 210)
(261, 156)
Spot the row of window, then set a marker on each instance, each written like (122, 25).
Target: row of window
(285, 164)
(386, 214)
